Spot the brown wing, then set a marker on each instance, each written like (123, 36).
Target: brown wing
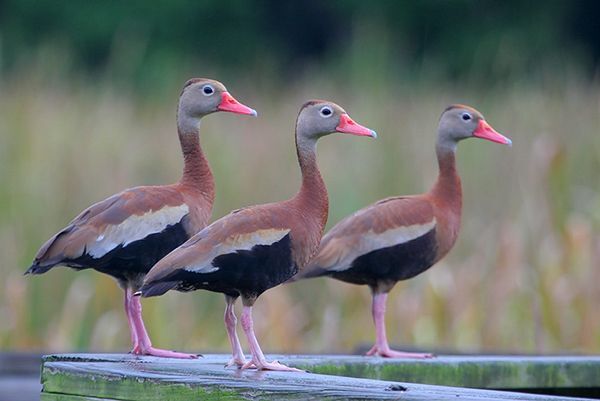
(389, 222)
(120, 219)
(239, 230)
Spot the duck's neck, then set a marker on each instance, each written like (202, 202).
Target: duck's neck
(312, 197)
(196, 171)
(447, 188)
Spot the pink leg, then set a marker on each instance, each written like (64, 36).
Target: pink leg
(144, 345)
(258, 358)
(132, 332)
(238, 357)
(381, 346)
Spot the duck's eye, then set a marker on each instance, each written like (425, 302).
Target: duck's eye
(466, 116)
(208, 90)
(326, 111)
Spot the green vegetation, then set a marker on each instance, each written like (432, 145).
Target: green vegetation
(146, 45)
(57, 382)
(524, 274)
(490, 374)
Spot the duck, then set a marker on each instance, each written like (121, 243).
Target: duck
(401, 237)
(257, 248)
(125, 234)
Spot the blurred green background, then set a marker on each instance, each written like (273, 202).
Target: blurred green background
(88, 92)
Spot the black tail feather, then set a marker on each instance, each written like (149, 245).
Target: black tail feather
(37, 269)
(156, 289)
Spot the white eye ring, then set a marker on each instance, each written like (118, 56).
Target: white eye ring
(208, 90)
(326, 111)
(466, 117)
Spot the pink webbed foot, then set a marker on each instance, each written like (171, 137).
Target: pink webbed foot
(258, 358)
(264, 365)
(141, 341)
(390, 353)
(239, 362)
(381, 347)
(162, 353)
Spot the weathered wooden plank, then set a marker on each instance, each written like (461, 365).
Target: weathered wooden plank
(133, 378)
(491, 372)
(66, 397)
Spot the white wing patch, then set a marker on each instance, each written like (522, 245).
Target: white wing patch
(135, 228)
(372, 241)
(240, 242)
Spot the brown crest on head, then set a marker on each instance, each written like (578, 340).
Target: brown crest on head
(460, 106)
(192, 81)
(312, 103)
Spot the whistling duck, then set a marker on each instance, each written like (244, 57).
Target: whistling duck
(127, 233)
(256, 248)
(400, 237)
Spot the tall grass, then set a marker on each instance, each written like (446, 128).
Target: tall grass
(523, 277)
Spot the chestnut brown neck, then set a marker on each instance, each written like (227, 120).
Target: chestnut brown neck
(312, 197)
(447, 189)
(196, 171)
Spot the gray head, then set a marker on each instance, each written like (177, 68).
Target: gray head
(202, 96)
(318, 118)
(459, 122)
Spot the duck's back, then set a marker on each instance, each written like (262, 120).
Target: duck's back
(390, 240)
(125, 234)
(244, 253)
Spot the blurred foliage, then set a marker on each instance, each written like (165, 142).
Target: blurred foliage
(486, 39)
(87, 104)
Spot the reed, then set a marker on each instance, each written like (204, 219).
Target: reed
(523, 276)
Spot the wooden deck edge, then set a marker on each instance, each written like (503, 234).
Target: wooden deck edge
(485, 372)
(147, 378)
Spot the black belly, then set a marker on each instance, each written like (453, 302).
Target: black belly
(248, 273)
(392, 264)
(138, 257)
